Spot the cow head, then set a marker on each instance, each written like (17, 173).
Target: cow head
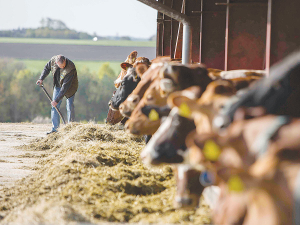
(210, 103)
(128, 84)
(113, 117)
(189, 188)
(139, 122)
(168, 143)
(178, 77)
(130, 60)
(148, 77)
(250, 200)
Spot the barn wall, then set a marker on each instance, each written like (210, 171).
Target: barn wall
(231, 34)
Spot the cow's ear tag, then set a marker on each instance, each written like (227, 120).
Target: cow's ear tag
(133, 59)
(211, 150)
(153, 115)
(235, 184)
(184, 110)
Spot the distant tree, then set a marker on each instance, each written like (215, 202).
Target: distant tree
(126, 38)
(43, 22)
(106, 70)
(152, 38)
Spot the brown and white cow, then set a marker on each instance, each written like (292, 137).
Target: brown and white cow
(168, 142)
(148, 77)
(130, 60)
(130, 80)
(278, 93)
(249, 199)
(173, 77)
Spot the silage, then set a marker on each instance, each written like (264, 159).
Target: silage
(92, 173)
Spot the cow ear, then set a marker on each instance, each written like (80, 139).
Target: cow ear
(186, 105)
(132, 57)
(141, 68)
(125, 65)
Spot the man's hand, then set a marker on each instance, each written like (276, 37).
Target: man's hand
(54, 103)
(39, 82)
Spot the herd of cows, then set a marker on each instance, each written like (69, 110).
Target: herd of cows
(237, 132)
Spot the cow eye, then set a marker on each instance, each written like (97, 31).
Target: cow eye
(123, 83)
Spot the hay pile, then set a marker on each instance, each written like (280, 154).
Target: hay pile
(92, 173)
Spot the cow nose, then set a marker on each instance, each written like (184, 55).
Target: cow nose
(220, 122)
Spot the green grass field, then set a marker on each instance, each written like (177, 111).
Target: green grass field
(78, 42)
(37, 66)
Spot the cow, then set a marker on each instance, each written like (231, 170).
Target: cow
(130, 60)
(138, 123)
(172, 79)
(188, 187)
(149, 76)
(168, 143)
(176, 77)
(278, 93)
(130, 80)
(248, 199)
(114, 117)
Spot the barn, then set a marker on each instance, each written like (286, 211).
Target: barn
(227, 34)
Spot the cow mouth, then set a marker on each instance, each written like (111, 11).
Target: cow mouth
(126, 113)
(113, 108)
(134, 131)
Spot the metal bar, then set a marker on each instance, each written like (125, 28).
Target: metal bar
(268, 37)
(226, 36)
(201, 29)
(159, 36)
(241, 3)
(177, 16)
(203, 12)
(50, 99)
(177, 5)
(178, 46)
(186, 50)
(167, 10)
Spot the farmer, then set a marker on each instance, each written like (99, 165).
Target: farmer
(65, 83)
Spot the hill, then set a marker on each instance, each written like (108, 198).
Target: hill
(56, 29)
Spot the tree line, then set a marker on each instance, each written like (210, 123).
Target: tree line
(21, 100)
(51, 28)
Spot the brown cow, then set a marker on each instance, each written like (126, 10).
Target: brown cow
(248, 199)
(188, 187)
(148, 77)
(173, 77)
(138, 123)
(180, 122)
(130, 60)
(129, 82)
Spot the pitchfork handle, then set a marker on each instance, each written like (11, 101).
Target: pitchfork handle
(61, 116)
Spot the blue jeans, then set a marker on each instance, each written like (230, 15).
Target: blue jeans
(70, 110)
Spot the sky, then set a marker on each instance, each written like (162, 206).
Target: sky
(104, 17)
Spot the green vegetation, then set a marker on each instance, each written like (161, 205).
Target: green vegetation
(36, 66)
(78, 42)
(22, 100)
